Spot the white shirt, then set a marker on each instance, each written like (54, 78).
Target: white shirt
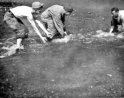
(22, 11)
(121, 14)
(121, 17)
(26, 11)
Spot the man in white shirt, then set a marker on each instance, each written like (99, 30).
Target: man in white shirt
(12, 19)
(117, 23)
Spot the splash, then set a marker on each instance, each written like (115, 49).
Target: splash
(102, 34)
(66, 39)
(10, 50)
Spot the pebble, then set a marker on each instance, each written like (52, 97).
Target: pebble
(91, 86)
(73, 14)
(89, 12)
(52, 91)
(109, 75)
(103, 18)
(53, 80)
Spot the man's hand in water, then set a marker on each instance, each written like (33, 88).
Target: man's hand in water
(49, 35)
(65, 33)
(111, 29)
(44, 40)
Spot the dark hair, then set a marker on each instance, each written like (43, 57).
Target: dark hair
(68, 8)
(114, 9)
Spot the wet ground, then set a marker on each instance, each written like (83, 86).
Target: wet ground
(77, 69)
(87, 67)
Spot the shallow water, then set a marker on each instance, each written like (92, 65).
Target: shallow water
(89, 67)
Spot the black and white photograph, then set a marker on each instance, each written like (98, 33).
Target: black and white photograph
(61, 48)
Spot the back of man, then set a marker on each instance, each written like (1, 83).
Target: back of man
(53, 18)
(22, 11)
(57, 10)
(12, 16)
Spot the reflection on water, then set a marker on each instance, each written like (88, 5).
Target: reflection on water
(91, 67)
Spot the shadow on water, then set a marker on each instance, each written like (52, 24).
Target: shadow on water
(64, 70)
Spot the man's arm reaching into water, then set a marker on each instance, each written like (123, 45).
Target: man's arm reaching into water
(36, 29)
(112, 26)
(43, 28)
(111, 29)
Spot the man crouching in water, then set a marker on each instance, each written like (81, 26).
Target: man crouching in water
(117, 23)
(12, 19)
(54, 20)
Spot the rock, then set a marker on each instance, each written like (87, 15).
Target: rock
(89, 12)
(109, 75)
(103, 18)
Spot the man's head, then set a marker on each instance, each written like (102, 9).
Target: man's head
(37, 7)
(115, 12)
(68, 9)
